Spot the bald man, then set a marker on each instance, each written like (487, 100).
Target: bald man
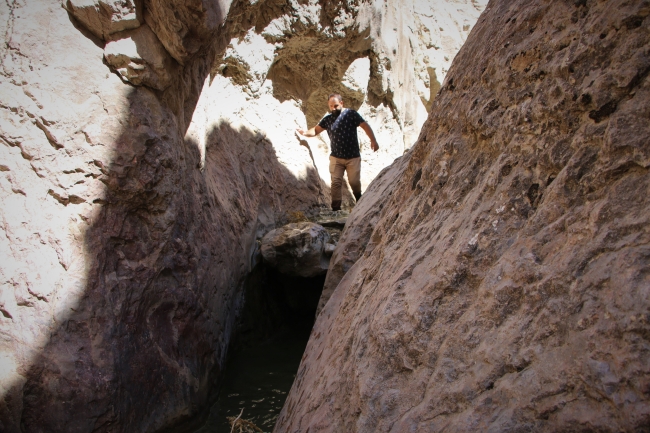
(341, 126)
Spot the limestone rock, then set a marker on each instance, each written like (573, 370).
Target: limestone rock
(128, 225)
(105, 17)
(139, 57)
(440, 30)
(504, 284)
(297, 249)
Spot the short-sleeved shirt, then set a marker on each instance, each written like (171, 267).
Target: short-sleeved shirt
(342, 130)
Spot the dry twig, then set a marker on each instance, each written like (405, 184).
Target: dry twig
(242, 425)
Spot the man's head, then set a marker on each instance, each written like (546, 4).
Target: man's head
(335, 103)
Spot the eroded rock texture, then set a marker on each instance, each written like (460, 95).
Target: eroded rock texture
(105, 17)
(504, 285)
(127, 232)
(145, 147)
(297, 249)
(380, 56)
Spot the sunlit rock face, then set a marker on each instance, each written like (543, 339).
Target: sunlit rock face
(145, 148)
(380, 56)
(124, 243)
(496, 278)
(105, 17)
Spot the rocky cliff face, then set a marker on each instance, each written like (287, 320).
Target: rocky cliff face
(145, 147)
(121, 258)
(497, 277)
(382, 57)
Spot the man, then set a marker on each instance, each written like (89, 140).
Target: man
(341, 126)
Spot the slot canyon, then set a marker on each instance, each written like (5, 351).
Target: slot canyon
(160, 211)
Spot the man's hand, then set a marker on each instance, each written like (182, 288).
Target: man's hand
(371, 135)
(313, 132)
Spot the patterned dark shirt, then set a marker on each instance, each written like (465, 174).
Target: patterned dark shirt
(342, 130)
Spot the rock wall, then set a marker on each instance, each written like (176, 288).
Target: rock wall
(145, 147)
(381, 56)
(126, 237)
(504, 284)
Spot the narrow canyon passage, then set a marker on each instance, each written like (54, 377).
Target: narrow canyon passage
(269, 341)
(139, 169)
(494, 276)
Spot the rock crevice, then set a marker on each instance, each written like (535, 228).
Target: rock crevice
(134, 194)
(503, 285)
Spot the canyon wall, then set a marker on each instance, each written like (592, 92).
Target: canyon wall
(497, 277)
(145, 148)
(385, 58)
(122, 258)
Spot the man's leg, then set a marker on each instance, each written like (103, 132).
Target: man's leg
(353, 167)
(337, 168)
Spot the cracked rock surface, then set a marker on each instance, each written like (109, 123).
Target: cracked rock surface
(124, 243)
(145, 148)
(106, 17)
(297, 249)
(502, 283)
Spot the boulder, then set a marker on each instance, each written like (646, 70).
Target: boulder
(297, 249)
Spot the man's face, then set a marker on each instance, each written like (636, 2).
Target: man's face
(335, 105)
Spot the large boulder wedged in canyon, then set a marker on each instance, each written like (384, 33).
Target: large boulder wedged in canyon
(505, 285)
(297, 249)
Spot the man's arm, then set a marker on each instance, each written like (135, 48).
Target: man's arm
(313, 132)
(371, 135)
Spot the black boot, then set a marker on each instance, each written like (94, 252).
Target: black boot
(336, 205)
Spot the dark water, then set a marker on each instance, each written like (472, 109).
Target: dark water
(271, 337)
(257, 380)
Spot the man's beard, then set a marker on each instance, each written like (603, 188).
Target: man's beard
(336, 112)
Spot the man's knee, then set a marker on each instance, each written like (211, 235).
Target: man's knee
(356, 188)
(337, 182)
